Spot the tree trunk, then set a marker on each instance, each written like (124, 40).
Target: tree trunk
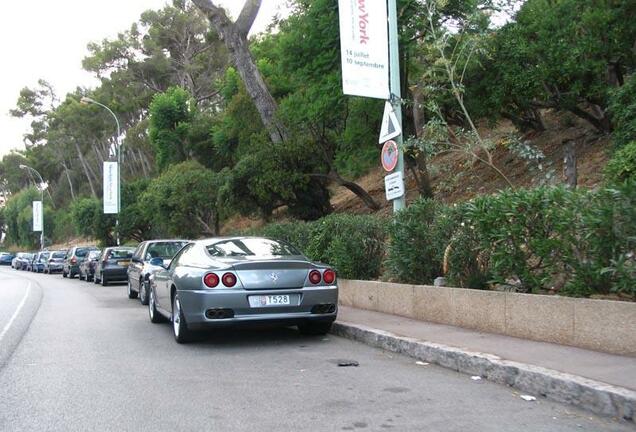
(70, 183)
(234, 35)
(353, 187)
(419, 167)
(569, 164)
(85, 167)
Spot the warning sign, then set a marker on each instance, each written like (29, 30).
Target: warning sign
(390, 124)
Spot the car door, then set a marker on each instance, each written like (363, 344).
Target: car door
(135, 268)
(163, 280)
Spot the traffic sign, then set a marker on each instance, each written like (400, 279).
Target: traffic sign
(394, 185)
(389, 156)
(390, 124)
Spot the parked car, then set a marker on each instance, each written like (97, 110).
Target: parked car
(22, 260)
(87, 267)
(39, 261)
(74, 258)
(229, 281)
(140, 269)
(112, 265)
(55, 263)
(6, 258)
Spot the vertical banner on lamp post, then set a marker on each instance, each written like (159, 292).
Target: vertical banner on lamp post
(37, 216)
(111, 189)
(364, 49)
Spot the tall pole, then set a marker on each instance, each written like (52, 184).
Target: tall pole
(26, 167)
(86, 100)
(396, 93)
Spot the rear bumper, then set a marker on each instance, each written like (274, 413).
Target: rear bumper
(195, 304)
(115, 274)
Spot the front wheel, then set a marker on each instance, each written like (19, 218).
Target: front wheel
(314, 328)
(64, 274)
(179, 326)
(131, 294)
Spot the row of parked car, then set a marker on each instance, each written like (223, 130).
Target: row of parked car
(203, 284)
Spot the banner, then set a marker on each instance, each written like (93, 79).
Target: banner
(37, 216)
(111, 188)
(364, 48)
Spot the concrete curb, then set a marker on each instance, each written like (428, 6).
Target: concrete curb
(584, 393)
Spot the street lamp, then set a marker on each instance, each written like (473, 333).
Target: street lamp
(26, 167)
(85, 100)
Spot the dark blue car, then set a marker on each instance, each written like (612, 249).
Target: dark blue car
(6, 258)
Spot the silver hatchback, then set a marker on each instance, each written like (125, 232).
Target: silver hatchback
(230, 281)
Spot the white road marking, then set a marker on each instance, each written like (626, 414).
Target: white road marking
(16, 313)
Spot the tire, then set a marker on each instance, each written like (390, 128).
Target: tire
(179, 326)
(314, 328)
(96, 280)
(131, 294)
(104, 281)
(143, 292)
(79, 276)
(64, 274)
(71, 275)
(89, 278)
(153, 313)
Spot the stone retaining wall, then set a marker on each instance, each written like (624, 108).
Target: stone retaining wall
(600, 325)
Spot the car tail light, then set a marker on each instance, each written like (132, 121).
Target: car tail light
(73, 260)
(211, 280)
(229, 280)
(314, 277)
(329, 276)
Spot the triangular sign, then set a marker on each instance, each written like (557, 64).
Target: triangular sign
(390, 125)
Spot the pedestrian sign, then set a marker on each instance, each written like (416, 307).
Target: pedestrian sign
(390, 125)
(389, 156)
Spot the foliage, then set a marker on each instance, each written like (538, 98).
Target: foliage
(18, 214)
(465, 262)
(90, 221)
(622, 166)
(296, 233)
(418, 238)
(622, 106)
(182, 201)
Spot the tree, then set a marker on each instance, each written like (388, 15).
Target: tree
(183, 200)
(234, 35)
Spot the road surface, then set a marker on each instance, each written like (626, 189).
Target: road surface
(75, 356)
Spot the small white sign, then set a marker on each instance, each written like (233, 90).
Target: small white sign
(390, 124)
(111, 188)
(364, 48)
(37, 216)
(394, 185)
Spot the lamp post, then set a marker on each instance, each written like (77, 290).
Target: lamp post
(26, 167)
(86, 100)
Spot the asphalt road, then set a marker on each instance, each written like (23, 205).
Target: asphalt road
(91, 360)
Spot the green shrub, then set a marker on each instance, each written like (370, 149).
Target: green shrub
(622, 165)
(465, 262)
(352, 244)
(418, 237)
(622, 107)
(296, 233)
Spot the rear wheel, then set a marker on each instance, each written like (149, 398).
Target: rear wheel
(131, 294)
(179, 325)
(155, 316)
(143, 292)
(64, 274)
(79, 276)
(314, 328)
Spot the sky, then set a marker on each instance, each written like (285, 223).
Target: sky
(47, 39)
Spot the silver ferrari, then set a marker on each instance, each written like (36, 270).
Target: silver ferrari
(229, 281)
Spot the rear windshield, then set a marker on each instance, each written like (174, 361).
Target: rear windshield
(58, 255)
(120, 253)
(82, 252)
(44, 255)
(164, 250)
(93, 254)
(257, 247)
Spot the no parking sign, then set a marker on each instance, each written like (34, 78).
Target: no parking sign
(389, 155)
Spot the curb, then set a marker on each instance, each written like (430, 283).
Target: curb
(561, 387)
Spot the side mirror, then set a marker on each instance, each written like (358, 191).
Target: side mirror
(157, 262)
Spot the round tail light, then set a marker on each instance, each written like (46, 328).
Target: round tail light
(314, 277)
(229, 280)
(329, 276)
(211, 280)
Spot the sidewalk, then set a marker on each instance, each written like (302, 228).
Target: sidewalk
(604, 383)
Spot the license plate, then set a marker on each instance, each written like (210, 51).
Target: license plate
(123, 263)
(269, 300)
